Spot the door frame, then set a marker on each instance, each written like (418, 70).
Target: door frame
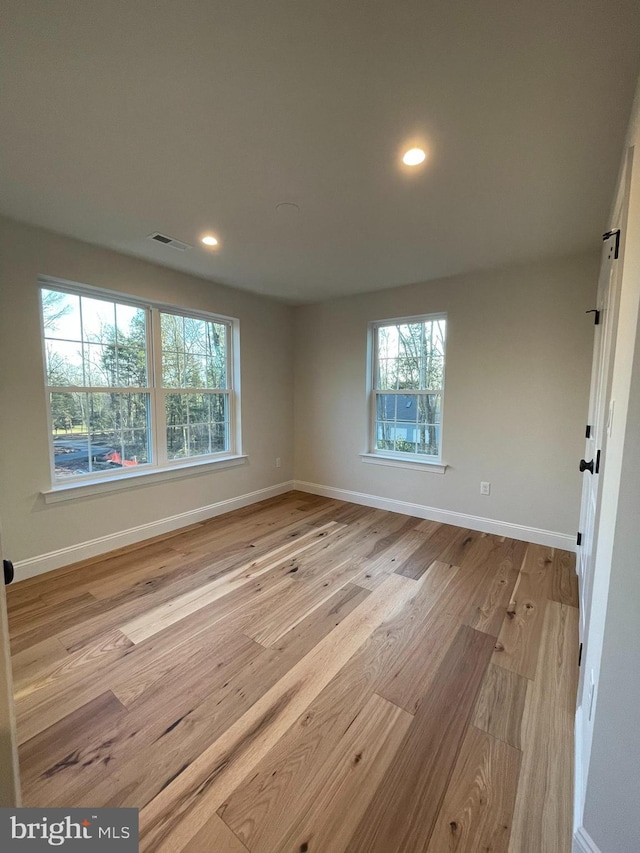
(582, 739)
(10, 772)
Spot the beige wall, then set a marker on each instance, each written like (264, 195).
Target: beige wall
(32, 527)
(519, 352)
(517, 382)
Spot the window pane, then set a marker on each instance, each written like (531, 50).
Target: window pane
(197, 424)
(98, 320)
(387, 374)
(388, 342)
(172, 369)
(131, 326)
(384, 436)
(406, 407)
(99, 365)
(135, 445)
(194, 352)
(195, 335)
(61, 315)
(429, 408)
(94, 432)
(386, 407)
(64, 363)
(411, 355)
(195, 371)
(429, 440)
(93, 342)
(131, 367)
(219, 437)
(199, 440)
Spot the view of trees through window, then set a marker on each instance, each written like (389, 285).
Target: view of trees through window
(409, 382)
(103, 401)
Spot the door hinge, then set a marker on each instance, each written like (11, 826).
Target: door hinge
(596, 313)
(608, 235)
(580, 655)
(596, 469)
(588, 431)
(579, 539)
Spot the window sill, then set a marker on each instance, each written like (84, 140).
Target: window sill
(399, 462)
(87, 488)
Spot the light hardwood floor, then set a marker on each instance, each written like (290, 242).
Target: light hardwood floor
(307, 675)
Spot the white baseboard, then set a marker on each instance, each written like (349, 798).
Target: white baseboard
(583, 842)
(86, 550)
(460, 519)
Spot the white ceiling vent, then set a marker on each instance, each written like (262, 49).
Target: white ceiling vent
(169, 241)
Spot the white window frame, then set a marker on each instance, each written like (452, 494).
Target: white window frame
(161, 466)
(394, 458)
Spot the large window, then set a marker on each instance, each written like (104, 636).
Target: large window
(134, 385)
(407, 387)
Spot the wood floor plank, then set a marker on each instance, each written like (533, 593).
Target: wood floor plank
(430, 550)
(544, 804)
(307, 633)
(302, 601)
(374, 570)
(139, 752)
(175, 610)
(30, 663)
(422, 640)
(180, 810)
(45, 757)
(215, 837)
(519, 639)
(403, 812)
(66, 669)
(476, 814)
(565, 579)
(468, 548)
(488, 606)
(414, 669)
(349, 777)
(500, 706)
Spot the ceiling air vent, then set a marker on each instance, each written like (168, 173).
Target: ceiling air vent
(169, 241)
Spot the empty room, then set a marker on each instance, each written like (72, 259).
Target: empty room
(320, 426)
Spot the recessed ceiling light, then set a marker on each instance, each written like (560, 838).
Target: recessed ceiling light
(413, 157)
(209, 240)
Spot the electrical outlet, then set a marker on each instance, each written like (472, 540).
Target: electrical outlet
(485, 488)
(278, 462)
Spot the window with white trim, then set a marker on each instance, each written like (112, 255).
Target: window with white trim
(407, 387)
(133, 385)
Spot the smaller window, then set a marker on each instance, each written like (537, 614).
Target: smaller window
(407, 387)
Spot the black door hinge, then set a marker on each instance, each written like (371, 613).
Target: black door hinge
(588, 431)
(596, 318)
(579, 539)
(580, 655)
(596, 469)
(607, 236)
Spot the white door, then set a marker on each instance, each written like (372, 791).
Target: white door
(598, 423)
(9, 775)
